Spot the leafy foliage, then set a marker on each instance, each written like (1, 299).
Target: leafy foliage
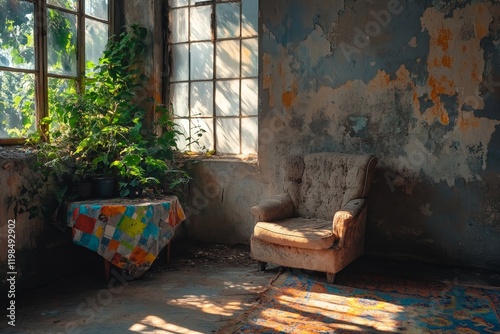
(103, 131)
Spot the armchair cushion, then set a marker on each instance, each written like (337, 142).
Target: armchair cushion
(297, 232)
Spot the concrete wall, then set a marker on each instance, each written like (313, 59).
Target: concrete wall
(413, 82)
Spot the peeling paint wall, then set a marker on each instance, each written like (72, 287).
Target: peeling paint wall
(414, 82)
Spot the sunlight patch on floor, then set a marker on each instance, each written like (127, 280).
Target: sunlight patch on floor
(205, 304)
(152, 324)
(360, 312)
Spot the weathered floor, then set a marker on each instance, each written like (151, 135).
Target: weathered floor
(198, 292)
(192, 294)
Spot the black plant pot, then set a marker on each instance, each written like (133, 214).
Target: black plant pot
(103, 187)
(82, 190)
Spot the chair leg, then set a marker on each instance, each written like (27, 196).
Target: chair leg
(330, 277)
(261, 265)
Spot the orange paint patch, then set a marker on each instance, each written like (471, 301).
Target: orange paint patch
(464, 48)
(481, 30)
(445, 119)
(440, 87)
(476, 74)
(466, 122)
(437, 88)
(403, 78)
(384, 78)
(381, 81)
(444, 39)
(436, 110)
(447, 61)
(287, 99)
(266, 81)
(266, 61)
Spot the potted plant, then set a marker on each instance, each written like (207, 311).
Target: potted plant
(102, 132)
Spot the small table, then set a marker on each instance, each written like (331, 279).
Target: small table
(128, 233)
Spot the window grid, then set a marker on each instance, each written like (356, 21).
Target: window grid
(215, 79)
(41, 73)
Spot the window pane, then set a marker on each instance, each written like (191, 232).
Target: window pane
(200, 23)
(227, 98)
(180, 62)
(96, 38)
(191, 130)
(17, 34)
(228, 20)
(249, 135)
(97, 8)
(228, 59)
(179, 25)
(60, 90)
(183, 127)
(179, 95)
(17, 104)
(206, 141)
(228, 135)
(202, 61)
(249, 97)
(66, 4)
(202, 99)
(249, 57)
(250, 18)
(177, 3)
(61, 42)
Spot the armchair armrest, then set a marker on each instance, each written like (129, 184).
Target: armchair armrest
(350, 214)
(273, 208)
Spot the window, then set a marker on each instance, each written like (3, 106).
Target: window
(214, 72)
(45, 48)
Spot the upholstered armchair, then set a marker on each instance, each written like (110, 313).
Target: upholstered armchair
(318, 223)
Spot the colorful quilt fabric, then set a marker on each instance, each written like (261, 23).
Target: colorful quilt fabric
(130, 233)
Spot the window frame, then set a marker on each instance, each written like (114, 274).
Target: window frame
(41, 71)
(215, 78)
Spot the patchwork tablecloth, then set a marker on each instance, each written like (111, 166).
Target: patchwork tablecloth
(130, 233)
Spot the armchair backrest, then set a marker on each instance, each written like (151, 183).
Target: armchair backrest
(322, 183)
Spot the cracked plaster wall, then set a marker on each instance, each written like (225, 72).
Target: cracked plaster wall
(413, 82)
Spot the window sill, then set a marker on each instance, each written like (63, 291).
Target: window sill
(247, 159)
(14, 152)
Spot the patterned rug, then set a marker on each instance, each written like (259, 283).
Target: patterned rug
(304, 304)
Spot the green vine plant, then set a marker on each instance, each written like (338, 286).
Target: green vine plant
(103, 131)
